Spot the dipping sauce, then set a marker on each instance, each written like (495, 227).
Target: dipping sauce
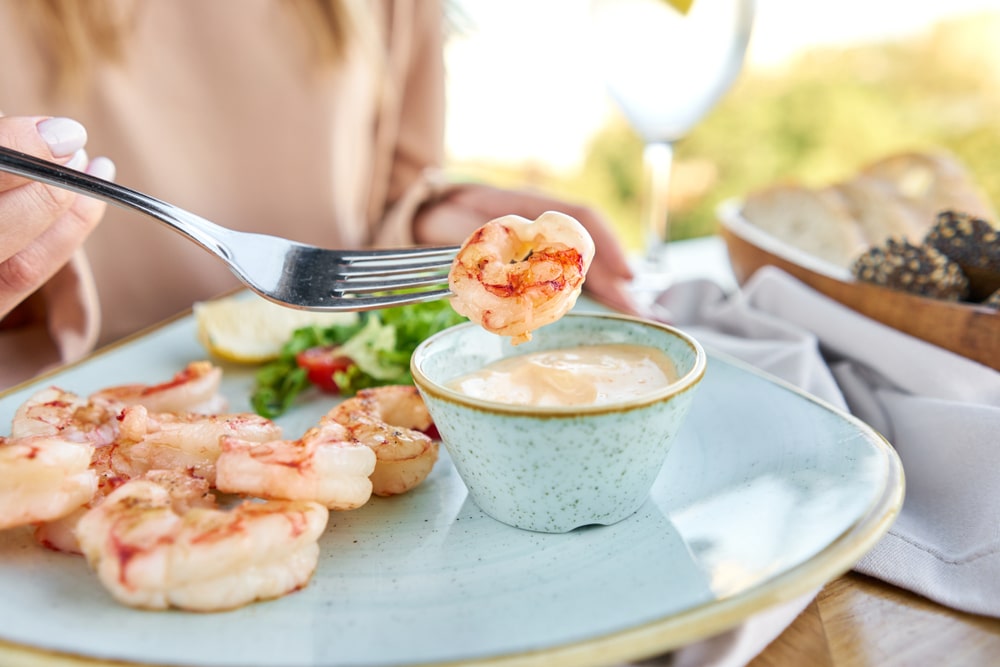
(584, 375)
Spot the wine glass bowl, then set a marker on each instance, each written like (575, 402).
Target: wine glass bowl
(665, 68)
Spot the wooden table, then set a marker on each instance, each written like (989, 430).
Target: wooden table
(855, 619)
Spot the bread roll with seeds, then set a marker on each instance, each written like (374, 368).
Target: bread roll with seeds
(970, 241)
(917, 269)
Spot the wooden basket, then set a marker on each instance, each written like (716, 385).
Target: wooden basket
(968, 329)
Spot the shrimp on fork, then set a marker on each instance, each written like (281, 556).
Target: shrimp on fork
(393, 421)
(148, 554)
(193, 389)
(323, 466)
(513, 275)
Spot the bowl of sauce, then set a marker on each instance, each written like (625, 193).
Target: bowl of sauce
(567, 430)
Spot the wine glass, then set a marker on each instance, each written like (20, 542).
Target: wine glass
(666, 63)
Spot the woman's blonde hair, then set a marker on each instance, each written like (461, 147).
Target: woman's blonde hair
(81, 33)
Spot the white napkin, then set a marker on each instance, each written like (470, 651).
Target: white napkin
(940, 411)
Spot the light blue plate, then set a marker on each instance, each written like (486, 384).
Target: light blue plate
(766, 495)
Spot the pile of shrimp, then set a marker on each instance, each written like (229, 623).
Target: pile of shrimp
(514, 275)
(128, 477)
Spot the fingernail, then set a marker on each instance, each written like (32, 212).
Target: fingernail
(102, 167)
(64, 136)
(79, 160)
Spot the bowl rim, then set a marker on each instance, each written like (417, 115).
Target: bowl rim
(685, 382)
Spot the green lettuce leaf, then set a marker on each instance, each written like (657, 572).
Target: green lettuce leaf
(380, 344)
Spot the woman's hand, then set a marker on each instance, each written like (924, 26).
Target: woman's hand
(463, 209)
(40, 225)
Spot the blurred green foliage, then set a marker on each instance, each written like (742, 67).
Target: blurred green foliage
(834, 111)
(814, 121)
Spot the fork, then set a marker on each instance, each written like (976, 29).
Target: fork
(293, 274)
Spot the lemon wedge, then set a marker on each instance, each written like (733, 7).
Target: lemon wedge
(248, 329)
(683, 6)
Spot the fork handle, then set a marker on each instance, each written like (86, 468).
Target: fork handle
(203, 232)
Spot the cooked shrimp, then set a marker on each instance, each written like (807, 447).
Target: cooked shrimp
(392, 421)
(44, 477)
(513, 275)
(150, 555)
(185, 490)
(47, 463)
(113, 469)
(59, 534)
(194, 389)
(56, 412)
(166, 441)
(323, 466)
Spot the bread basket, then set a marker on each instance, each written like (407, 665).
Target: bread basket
(968, 329)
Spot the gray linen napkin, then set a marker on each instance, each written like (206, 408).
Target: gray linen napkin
(940, 411)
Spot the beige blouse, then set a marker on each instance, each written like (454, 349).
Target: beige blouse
(218, 110)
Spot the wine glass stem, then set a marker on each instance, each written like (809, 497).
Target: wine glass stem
(657, 161)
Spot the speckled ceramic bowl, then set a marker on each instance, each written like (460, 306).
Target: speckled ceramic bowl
(553, 469)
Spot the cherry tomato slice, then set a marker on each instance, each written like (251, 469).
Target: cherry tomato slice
(320, 364)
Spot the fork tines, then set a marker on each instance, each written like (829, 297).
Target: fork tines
(373, 276)
(443, 255)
